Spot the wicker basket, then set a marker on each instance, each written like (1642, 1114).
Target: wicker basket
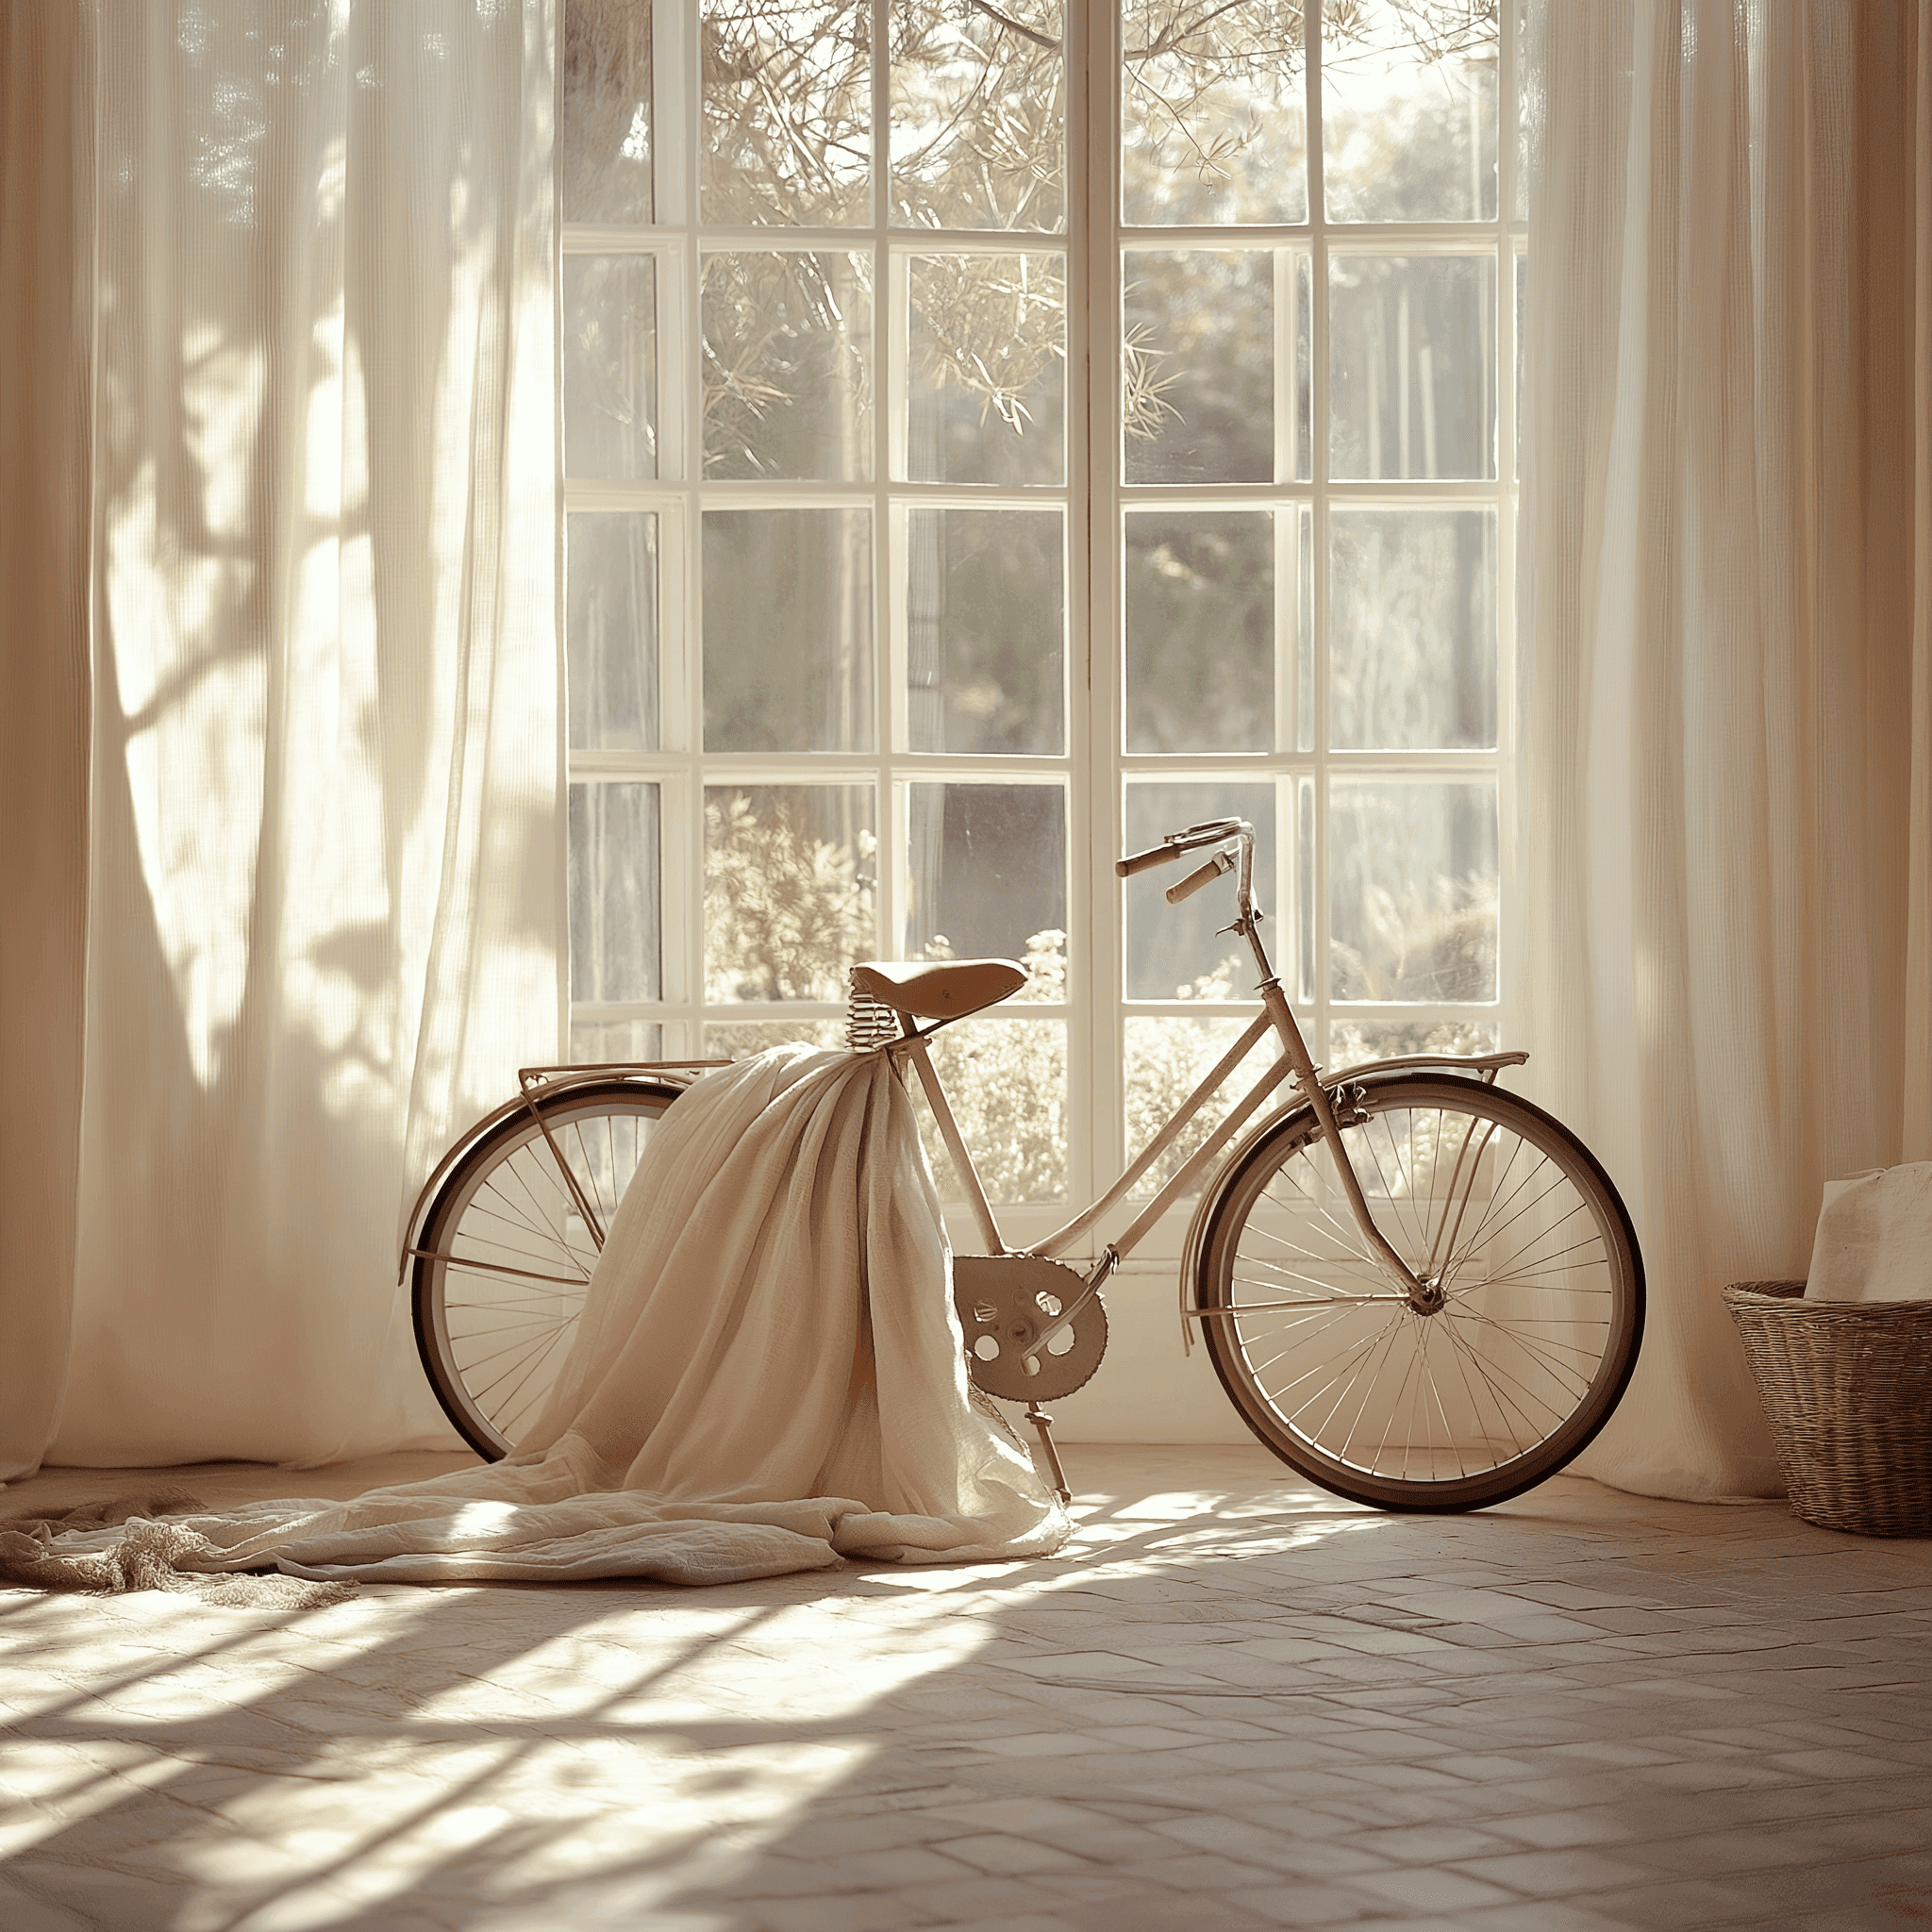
(1847, 1389)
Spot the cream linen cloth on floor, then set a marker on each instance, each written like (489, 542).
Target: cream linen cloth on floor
(768, 1375)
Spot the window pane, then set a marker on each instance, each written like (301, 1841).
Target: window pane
(614, 952)
(789, 877)
(1200, 591)
(788, 366)
(1412, 890)
(739, 1042)
(612, 602)
(1166, 1059)
(1521, 338)
(1525, 108)
(1178, 952)
(1351, 1042)
(985, 628)
(1409, 111)
(1413, 629)
(1303, 467)
(592, 1041)
(1007, 1080)
(987, 867)
(978, 115)
(1411, 366)
(1307, 878)
(603, 134)
(1304, 627)
(1213, 114)
(788, 111)
(1198, 360)
(610, 366)
(986, 360)
(787, 630)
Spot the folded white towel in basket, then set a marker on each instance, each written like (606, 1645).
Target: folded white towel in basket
(1875, 1238)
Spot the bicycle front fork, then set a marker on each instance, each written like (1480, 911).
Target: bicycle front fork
(1425, 1297)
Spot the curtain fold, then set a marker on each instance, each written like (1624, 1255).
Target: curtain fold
(1723, 852)
(316, 612)
(45, 310)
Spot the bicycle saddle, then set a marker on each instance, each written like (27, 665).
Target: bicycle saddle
(939, 989)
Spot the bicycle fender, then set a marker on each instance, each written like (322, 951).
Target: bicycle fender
(480, 1130)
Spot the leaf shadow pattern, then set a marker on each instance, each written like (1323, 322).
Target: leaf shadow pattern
(320, 855)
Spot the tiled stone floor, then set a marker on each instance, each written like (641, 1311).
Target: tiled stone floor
(1234, 1702)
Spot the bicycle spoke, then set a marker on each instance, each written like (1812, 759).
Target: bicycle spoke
(1540, 1348)
(484, 1229)
(1446, 1434)
(1489, 1227)
(1512, 1275)
(1340, 1377)
(504, 1409)
(1497, 1379)
(524, 1167)
(1274, 1273)
(1366, 1380)
(1300, 1339)
(1508, 1414)
(1345, 1234)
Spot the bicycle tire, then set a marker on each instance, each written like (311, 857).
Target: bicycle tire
(506, 1253)
(1345, 1382)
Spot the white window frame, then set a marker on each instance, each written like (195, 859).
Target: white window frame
(1094, 769)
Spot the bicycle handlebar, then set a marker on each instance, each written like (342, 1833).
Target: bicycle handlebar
(1140, 861)
(1217, 867)
(1208, 832)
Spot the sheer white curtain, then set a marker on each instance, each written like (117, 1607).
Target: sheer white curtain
(283, 876)
(1725, 838)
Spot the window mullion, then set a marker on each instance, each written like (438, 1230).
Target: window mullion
(888, 638)
(1098, 1051)
(1313, 894)
(687, 828)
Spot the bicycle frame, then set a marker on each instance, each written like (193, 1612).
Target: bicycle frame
(1294, 1062)
(1317, 1329)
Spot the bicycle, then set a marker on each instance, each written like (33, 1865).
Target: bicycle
(1421, 1292)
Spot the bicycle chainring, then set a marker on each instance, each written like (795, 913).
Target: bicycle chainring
(1005, 1303)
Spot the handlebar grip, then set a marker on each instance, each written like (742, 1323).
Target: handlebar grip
(1140, 861)
(1201, 875)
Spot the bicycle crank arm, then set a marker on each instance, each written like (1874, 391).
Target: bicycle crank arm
(1109, 1262)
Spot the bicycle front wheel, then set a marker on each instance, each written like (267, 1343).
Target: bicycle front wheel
(1487, 1199)
(508, 1243)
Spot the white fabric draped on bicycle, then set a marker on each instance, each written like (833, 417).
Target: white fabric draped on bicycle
(768, 1376)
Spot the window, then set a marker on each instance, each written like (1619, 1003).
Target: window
(975, 468)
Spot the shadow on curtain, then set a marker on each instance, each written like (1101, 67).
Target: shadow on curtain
(287, 835)
(1725, 846)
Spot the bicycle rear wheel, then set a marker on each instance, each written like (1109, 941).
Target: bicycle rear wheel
(1485, 1196)
(508, 1243)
